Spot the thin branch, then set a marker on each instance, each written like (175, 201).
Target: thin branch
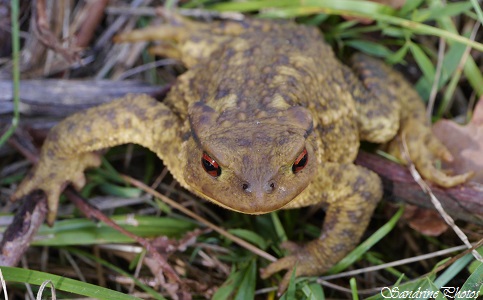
(193, 215)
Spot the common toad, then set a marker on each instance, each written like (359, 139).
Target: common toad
(265, 118)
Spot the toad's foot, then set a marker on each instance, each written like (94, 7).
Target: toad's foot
(423, 149)
(52, 176)
(303, 258)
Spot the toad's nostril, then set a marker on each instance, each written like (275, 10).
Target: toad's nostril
(269, 187)
(246, 187)
(258, 189)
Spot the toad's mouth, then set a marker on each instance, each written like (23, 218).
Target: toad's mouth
(251, 205)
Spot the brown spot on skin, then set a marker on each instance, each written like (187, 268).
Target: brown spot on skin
(291, 81)
(221, 93)
(186, 136)
(262, 139)
(224, 140)
(244, 142)
(228, 53)
(369, 197)
(161, 114)
(331, 170)
(326, 129)
(379, 126)
(168, 124)
(284, 140)
(70, 126)
(348, 233)
(127, 123)
(354, 216)
(359, 184)
(110, 116)
(90, 143)
(282, 60)
(336, 178)
(51, 154)
(204, 120)
(338, 247)
(375, 113)
(329, 224)
(139, 112)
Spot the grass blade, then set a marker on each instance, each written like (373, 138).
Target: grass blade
(62, 283)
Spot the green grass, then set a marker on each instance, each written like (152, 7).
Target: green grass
(61, 284)
(407, 36)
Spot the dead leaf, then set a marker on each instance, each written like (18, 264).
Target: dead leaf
(425, 221)
(464, 142)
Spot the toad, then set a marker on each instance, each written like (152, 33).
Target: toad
(265, 118)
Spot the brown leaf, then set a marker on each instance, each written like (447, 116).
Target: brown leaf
(464, 142)
(425, 221)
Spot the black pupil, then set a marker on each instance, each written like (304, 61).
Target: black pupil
(300, 165)
(210, 168)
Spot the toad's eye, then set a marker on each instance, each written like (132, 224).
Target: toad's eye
(300, 162)
(210, 165)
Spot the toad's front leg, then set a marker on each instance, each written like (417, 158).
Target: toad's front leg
(68, 149)
(351, 193)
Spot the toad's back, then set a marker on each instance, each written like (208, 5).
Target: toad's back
(255, 73)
